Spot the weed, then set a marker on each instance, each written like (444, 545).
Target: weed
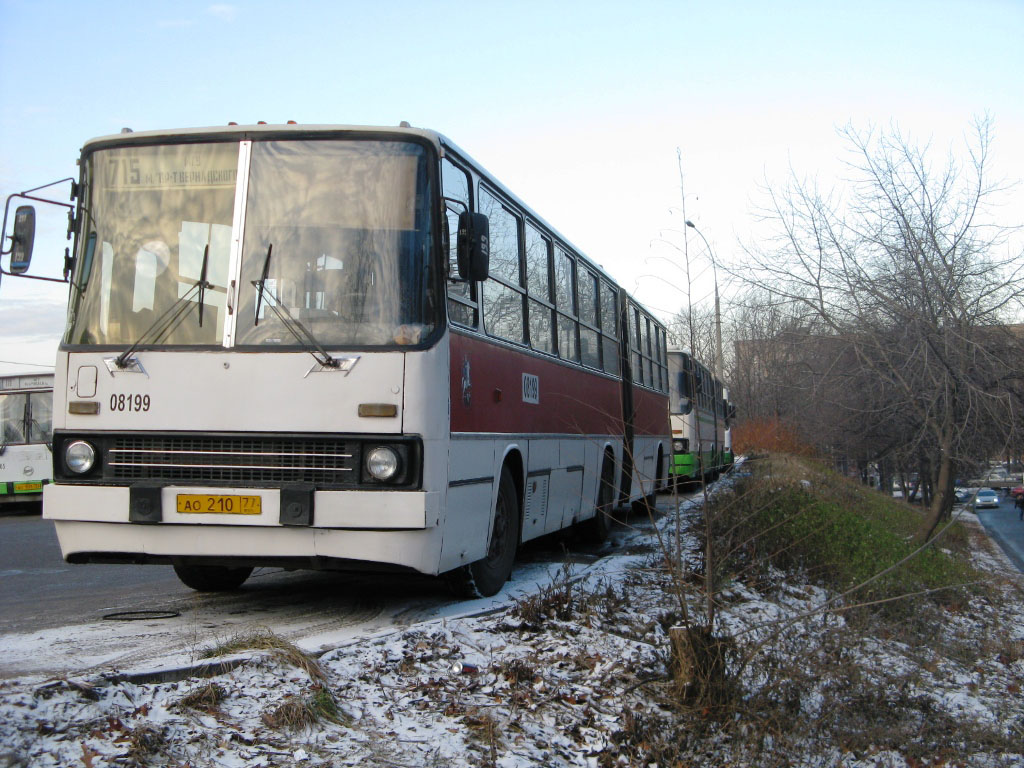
(143, 742)
(265, 640)
(298, 712)
(518, 672)
(557, 601)
(484, 729)
(206, 698)
(701, 664)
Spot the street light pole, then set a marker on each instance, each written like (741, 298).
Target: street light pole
(718, 314)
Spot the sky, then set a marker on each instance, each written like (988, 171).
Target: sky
(583, 109)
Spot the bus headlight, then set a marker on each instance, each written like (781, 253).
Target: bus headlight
(382, 463)
(79, 457)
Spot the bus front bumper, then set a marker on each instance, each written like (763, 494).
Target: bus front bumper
(391, 528)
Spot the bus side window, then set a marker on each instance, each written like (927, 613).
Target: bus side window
(635, 321)
(538, 285)
(586, 291)
(645, 350)
(565, 300)
(609, 331)
(663, 359)
(462, 300)
(504, 296)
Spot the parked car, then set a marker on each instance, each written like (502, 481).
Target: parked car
(1018, 491)
(986, 497)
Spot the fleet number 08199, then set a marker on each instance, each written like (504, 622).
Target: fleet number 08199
(130, 403)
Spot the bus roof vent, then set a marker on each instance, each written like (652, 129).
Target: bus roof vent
(126, 130)
(404, 124)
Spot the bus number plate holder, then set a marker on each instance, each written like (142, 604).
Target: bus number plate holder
(218, 504)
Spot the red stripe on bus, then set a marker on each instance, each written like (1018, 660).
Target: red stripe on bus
(571, 400)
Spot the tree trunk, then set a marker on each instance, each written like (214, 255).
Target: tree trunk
(942, 502)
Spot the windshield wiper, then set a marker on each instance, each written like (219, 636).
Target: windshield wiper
(163, 325)
(301, 333)
(203, 285)
(261, 282)
(174, 314)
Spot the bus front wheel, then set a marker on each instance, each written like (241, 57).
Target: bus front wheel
(212, 578)
(485, 577)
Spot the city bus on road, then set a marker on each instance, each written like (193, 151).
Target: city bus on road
(335, 347)
(698, 408)
(26, 406)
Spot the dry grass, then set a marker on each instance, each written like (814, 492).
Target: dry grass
(206, 698)
(304, 711)
(265, 640)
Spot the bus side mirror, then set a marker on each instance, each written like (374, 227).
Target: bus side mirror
(21, 240)
(474, 246)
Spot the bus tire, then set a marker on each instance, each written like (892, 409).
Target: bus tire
(212, 578)
(596, 529)
(488, 575)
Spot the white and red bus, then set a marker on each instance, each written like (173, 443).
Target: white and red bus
(286, 346)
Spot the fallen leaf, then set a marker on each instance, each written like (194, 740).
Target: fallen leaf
(88, 755)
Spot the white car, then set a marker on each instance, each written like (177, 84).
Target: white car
(986, 497)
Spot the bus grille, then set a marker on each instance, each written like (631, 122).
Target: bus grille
(230, 460)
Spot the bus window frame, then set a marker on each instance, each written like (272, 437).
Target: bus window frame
(505, 206)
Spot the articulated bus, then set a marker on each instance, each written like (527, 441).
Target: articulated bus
(336, 347)
(26, 405)
(699, 418)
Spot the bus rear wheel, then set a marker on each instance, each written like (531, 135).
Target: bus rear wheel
(212, 578)
(485, 577)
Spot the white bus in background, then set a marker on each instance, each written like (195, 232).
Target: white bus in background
(698, 409)
(334, 347)
(26, 410)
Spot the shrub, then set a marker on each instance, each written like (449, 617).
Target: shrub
(793, 515)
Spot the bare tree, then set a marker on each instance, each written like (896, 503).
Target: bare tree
(693, 328)
(912, 285)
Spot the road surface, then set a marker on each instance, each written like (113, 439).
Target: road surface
(1006, 528)
(56, 618)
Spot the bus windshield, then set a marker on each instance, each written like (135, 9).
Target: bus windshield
(12, 418)
(346, 225)
(680, 398)
(25, 417)
(343, 231)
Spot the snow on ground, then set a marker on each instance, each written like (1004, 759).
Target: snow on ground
(570, 672)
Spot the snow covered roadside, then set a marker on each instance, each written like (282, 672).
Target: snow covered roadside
(574, 675)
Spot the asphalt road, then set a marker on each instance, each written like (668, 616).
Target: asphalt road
(52, 613)
(38, 590)
(1005, 526)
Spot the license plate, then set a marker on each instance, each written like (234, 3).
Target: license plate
(27, 487)
(213, 504)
